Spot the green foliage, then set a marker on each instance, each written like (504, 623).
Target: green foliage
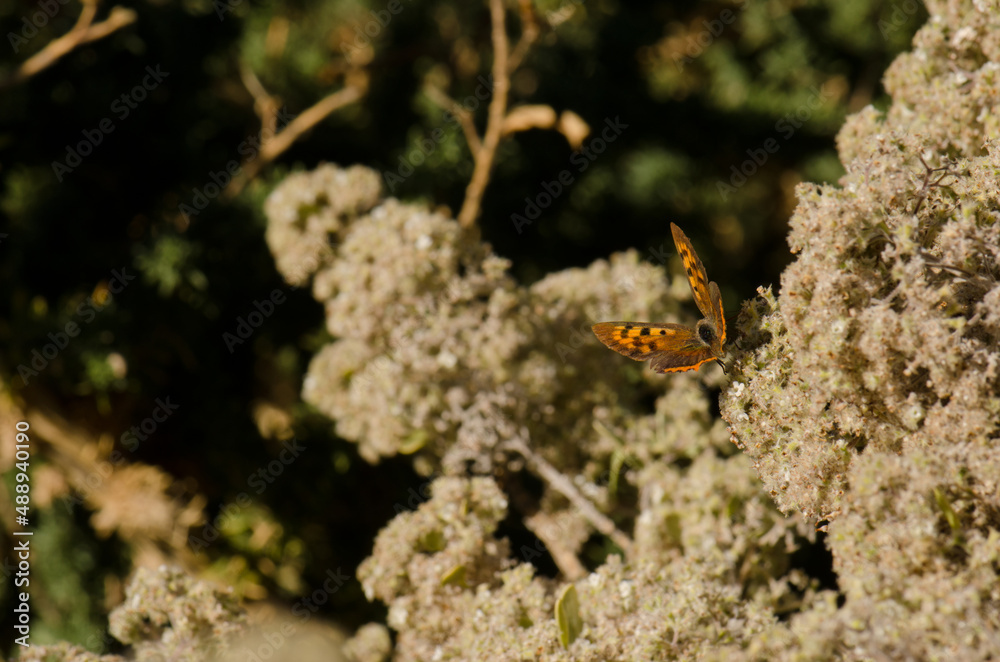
(568, 616)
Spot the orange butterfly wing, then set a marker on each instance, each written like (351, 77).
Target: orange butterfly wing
(675, 347)
(706, 294)
(671, 347)
(697, 277)
(720, 319)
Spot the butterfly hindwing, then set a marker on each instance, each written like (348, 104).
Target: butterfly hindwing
(683, 360)
(670, 346)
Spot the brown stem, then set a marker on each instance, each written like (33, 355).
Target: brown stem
(265, 105)
(547, 530)
(282, 140)
(564, 486)
(83, 32)
(494, 124)
(528, 36)
(464, 117)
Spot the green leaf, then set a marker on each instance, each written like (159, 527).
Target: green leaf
(431, 542)
(414, 442)
(568, 616)
(456, 576)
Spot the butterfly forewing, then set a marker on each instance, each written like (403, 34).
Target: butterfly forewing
(718, 318)
(697, 277)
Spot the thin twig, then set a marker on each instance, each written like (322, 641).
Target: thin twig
(928, 184)
(505, 62)
(264, 104)
(83, 32)
(308, 119)
(464, 117)
(494, 124)
(564, 486)
(547, 530)
(529, 33)
(282, 140)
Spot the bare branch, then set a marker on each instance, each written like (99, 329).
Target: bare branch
(83, 32)
(464, 117)
(547, 530)
(564, 486)
(529, 33)
(264, 104)
(928, 184)
(494, 124)
(505, 63)
(309, 118)
(525, 118)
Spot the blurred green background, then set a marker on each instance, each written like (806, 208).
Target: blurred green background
(703, 87)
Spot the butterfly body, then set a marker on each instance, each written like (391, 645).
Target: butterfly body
(675, 347)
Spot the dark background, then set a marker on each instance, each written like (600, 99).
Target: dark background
(119, 209)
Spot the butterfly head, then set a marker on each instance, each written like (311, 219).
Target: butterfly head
(706, 332)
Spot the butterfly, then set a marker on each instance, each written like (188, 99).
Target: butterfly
(675, 347)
